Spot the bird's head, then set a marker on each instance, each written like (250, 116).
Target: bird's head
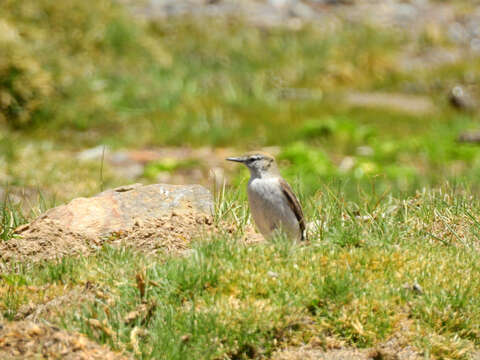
(260, 164)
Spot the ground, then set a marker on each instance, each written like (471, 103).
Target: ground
(364, 106)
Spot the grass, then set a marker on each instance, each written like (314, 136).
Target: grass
(178, 82)
(352, 284)
(11, 217)
(392, 194)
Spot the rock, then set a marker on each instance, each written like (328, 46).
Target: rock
(302, 11)
(118, 209)
(94, 153)
(469, 137)
(415, 287)
(347, 164)
(147, 217)
(273, 274)
(461, 99)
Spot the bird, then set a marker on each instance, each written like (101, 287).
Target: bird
(273, 205)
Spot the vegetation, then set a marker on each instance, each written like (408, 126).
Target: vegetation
(386, 266)
(87, 73)
(391, 193)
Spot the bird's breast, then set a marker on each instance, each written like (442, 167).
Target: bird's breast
(265, 188)
(269, 206)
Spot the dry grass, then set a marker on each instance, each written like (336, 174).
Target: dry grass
(367, 280)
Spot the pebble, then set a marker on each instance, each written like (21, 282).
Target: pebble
(461, 99)
(273, 274)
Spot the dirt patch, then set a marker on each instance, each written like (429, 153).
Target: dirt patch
(27, 340)
(396, 347)
(170, 233)
(316, 354)
(398, 102)
(387, 351)
(49, 241)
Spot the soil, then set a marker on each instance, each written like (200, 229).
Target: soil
(27, 340)
(315, 354)
(49, 241)
(396, 347)
(388, 351)
(170, 233)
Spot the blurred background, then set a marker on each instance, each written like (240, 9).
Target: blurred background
(368, 96)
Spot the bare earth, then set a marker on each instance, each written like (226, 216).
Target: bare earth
(27, 340)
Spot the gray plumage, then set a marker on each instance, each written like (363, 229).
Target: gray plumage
(273, 204)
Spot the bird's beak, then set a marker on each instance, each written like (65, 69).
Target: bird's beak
(237, 159)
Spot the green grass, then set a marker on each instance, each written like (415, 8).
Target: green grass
(141, 84)
(352, 283)
(393, 195)
(178, 81)
(10, 218)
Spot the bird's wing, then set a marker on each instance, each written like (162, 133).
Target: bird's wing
(295, 206)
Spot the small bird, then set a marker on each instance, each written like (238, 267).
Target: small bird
(273, 204)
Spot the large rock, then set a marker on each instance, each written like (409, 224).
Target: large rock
(146, 217)
(118, 209)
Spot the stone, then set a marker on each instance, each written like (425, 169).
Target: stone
(346, 164)
(469, 137)
(273, 274)
(94, 153)
(461, 99)
(117, 209)
(147, 217)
